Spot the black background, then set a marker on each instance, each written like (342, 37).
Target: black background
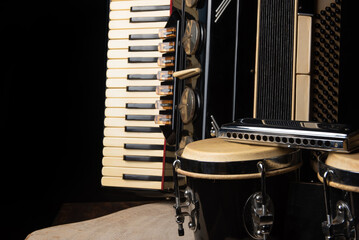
(53, 73)
(52, 94)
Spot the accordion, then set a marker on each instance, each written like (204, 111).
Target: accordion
(268, 59)
(303, 67)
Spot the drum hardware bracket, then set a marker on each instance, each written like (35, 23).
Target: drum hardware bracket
(215, 128)
(262, 213)
(343, 224)
(191, 204)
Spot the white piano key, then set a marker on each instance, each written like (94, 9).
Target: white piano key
(120, 142)
(126, 24)
(118, 5)
(121, 102)
(120, 132)
(121, 122)
(124, 44)
(124, 53)
(116, 83)
(125, 14)
(119, 152)
(118, 171)
(122, 93)
(123, 63)
(119, 182)
(122, 73)
(119, 162)
(125, 33)
(122, 112)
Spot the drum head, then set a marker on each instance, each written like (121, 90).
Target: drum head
(344, 168)
(344, 161)
(217, 158)
(220, 150)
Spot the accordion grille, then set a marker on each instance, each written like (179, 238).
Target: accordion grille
(275, 59)
(326, 57)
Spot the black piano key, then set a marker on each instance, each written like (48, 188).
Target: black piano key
(143, 36)
(140, 105)
(143, 48)
(141, 88)
(141, 177)
(143, 146)
(140, 117)
(148, 19)
(142, 60)
(141, 76)
(137, 158)
(143, 129)
(149, 8)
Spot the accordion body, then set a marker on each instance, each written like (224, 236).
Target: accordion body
(304, 65)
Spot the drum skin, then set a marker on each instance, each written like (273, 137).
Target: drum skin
(222, 199)
(217, 149)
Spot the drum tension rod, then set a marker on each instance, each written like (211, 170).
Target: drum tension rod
(191, 203)
(327, 203)
(177, 206)
(262, 170)
(343, 225)
(262, 216)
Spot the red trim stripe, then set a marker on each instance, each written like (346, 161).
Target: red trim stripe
(163, 163)
(171, 4)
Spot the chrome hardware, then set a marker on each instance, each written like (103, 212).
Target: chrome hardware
(261, 210)
(263, 217)
(221, 8)
(342, 226)
(191, 204)
(215, 128)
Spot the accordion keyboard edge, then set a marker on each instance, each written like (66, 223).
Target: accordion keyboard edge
(133, 153)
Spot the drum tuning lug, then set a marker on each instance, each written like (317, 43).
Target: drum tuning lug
(263, 217)
(191, 204)
(261, 209)
(343, 225)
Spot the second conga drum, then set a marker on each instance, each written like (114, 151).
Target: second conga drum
(235, 191)
(339, 173)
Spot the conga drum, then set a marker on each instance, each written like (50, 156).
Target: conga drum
(234, 190)
(339, 173)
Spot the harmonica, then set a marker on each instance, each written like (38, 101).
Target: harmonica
(293, 134)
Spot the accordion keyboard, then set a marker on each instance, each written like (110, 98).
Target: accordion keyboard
(133, 143)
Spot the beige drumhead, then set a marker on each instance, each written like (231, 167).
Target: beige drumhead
(220, 151)
(343, 161)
